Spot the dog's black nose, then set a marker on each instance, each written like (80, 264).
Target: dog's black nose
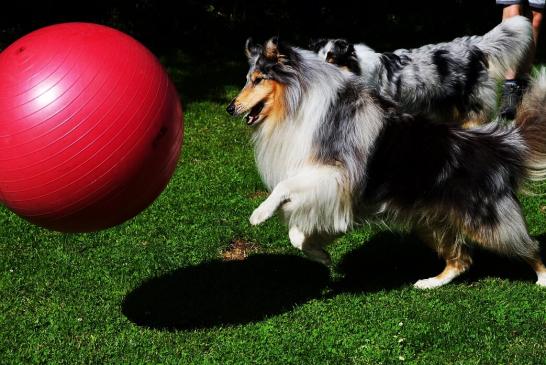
(231, 108)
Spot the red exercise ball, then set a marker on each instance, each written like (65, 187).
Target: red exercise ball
(90, 127)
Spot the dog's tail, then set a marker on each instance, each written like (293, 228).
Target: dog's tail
(507, 45)
(531, 122)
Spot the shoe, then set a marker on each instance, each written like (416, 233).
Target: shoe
(512, 93)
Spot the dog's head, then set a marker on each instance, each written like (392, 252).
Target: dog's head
(272, 67)
(338, 52)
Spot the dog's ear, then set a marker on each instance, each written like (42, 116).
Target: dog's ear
(344, 47)
(316, 44)
(277, 51)
(272, 48)
(351, 49)
(251, 49)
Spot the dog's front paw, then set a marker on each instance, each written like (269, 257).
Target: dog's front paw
(260, 215)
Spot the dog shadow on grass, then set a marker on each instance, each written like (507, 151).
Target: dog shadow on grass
(391, 260)
(386, 261)
(226, 293)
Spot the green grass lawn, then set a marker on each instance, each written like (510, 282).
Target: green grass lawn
(161, 288)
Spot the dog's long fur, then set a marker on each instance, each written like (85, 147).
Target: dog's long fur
(452, 81)
(334, 154)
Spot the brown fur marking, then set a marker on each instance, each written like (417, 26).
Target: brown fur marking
(445, 243)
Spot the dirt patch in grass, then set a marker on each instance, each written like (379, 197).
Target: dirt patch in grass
(258, 194)
(239, 249)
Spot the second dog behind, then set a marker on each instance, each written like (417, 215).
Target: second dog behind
(453, 81)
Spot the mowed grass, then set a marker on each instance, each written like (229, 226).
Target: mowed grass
(159, 288)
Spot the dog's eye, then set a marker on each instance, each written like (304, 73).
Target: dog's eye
(257, 80)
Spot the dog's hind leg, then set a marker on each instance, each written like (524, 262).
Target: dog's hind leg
(524, 247)
(452, 249)
(312, 245)
(509, 236)
(537, 265)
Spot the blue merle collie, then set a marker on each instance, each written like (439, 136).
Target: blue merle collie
(334, 153)
(453, 81)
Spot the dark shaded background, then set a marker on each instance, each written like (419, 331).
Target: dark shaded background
(218, 28)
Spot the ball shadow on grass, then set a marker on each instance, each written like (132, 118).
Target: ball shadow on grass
(223, 293)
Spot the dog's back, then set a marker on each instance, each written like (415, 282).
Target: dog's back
(426, 170)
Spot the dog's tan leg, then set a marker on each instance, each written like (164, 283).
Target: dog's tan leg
(528, 245)
(452, 249)
(312, 245)
(475, 119)
(537, 265)
(509, 236)
(471, 123)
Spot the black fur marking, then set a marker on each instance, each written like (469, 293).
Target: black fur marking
(509, 34)
(417, 163)
(461, 78)
(476, 68)
(399, 84)
(441, 62)
(336, 134)
(393, 63)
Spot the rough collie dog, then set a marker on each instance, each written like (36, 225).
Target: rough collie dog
(453, 81)
(334, 154)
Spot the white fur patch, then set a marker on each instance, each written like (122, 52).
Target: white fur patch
(541, 279)
(430, 283)
(296, 237)
(445, 277)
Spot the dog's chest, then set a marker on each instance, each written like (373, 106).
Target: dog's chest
(281, 155)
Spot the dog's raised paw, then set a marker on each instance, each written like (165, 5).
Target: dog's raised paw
(260, 215)
(429, 283)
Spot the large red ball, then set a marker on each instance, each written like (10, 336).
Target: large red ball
(90, 127)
